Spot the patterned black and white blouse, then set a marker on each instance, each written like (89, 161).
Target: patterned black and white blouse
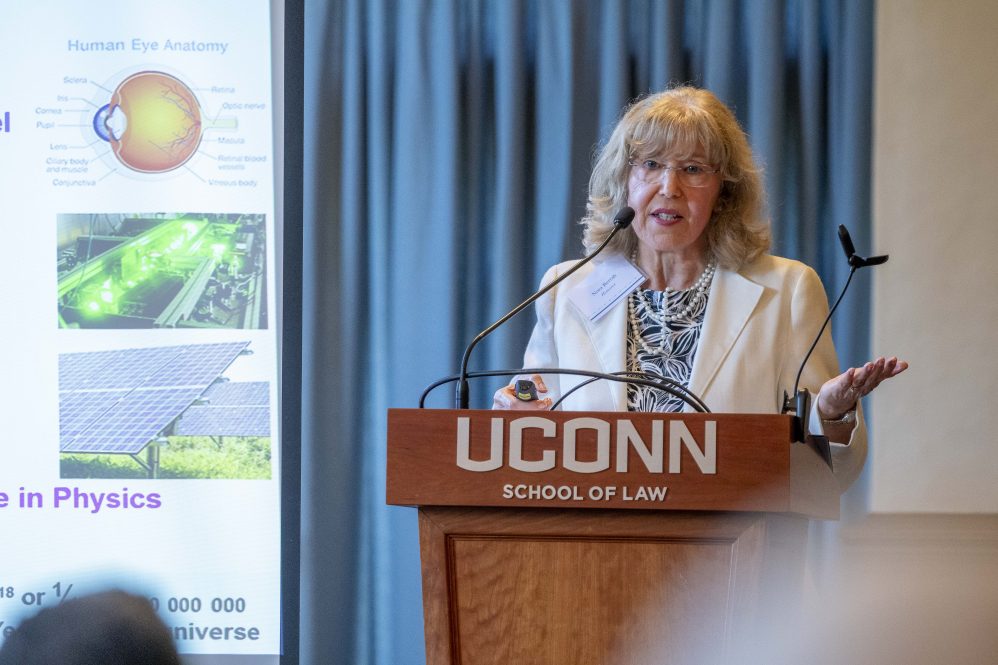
(669, 352)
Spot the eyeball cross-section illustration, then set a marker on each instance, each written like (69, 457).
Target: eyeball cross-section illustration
(153, 122)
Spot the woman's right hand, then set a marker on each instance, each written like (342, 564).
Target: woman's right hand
(506, 399)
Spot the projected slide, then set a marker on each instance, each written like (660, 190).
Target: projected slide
(141, 381)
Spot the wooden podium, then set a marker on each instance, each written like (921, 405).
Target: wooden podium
(569, 538)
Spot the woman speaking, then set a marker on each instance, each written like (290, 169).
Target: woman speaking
(715, 312)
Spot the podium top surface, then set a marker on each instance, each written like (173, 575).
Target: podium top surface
(625, 460)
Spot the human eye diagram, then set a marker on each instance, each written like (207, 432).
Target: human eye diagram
(152, 124)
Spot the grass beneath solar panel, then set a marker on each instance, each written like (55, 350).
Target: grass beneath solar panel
(184, 457)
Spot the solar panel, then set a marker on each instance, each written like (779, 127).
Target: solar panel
(229, 409)
(153, 366)
(78, 409)
(196, 365)
(118, 401)
(105, 370)
(238, 393)
(133, 422)
(224, 421)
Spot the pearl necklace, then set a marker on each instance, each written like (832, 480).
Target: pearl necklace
(661, 315)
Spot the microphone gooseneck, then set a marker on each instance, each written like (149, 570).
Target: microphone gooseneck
(855, 263)
(621, 221)
(649, 379)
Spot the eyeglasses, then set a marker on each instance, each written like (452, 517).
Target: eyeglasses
(690, 174)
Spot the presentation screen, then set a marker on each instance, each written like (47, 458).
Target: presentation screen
(140, 169)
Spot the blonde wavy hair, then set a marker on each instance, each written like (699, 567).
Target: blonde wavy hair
(677, 122)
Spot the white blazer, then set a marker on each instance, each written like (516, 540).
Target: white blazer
(757, 328)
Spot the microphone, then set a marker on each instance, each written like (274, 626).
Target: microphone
(846, 241)
(855, 260)
(621, 221)
(649, 379)
(800, 402)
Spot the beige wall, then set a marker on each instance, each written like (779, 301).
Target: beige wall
(934, 438)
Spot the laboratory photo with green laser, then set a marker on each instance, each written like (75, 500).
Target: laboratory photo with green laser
(162, 270)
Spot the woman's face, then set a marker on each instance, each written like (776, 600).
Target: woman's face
(670, 210)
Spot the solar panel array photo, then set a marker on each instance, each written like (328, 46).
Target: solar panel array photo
(151, 404)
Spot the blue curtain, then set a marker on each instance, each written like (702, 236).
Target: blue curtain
(448, 146)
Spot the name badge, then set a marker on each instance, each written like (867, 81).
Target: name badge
(611, 280)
